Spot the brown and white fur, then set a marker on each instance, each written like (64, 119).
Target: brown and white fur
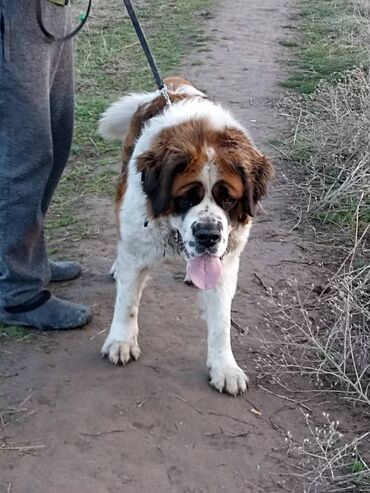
(187, 167)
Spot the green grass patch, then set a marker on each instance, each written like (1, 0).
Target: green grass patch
(330, 41)
(344, 214)
(14, 332)
(357, 466)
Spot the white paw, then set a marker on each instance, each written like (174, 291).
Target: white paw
(120, 352)
(228, 377)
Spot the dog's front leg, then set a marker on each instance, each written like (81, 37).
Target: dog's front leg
(121, 344)
(224, 372)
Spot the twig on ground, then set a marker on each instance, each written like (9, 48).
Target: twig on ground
(284, 397)
(25, 448)
(188, 403)
(100, 433)
(222, 432)
(238, 420)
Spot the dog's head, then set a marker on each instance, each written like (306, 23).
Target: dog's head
(205, 181)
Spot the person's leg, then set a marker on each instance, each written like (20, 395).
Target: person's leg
(28, 64)
(61, 115)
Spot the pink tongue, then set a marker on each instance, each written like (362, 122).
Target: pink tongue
(204, 271)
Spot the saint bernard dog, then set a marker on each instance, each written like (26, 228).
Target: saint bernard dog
(190, 184)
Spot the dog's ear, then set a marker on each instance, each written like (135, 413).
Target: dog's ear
(255, 175)
(252, 167)
(158, 171)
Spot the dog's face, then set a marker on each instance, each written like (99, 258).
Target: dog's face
(202, 203)
(206, 183)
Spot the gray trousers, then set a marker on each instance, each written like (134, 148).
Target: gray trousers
(36, 124)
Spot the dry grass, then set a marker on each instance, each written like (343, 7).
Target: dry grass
(332, 350)
(327, 463)
(331, 138)
(325, 336)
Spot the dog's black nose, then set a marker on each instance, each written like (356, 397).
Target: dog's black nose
(206, 234)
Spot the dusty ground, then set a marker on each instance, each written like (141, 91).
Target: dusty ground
(156, 425)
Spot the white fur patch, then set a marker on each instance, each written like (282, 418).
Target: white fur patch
(115, 121)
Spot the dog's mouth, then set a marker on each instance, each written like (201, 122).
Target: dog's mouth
(204, 271)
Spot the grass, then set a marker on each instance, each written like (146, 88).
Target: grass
(332, 40)
(330, 139)
(14, 332)
(110, 61)
(330, 115)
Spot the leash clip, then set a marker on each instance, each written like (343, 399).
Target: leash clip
(166, 97)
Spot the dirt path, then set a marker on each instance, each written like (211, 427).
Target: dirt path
(156, 425)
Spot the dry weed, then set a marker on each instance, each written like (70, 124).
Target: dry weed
(329, 465)
(332, 139)
(326, 338)
(334, 348)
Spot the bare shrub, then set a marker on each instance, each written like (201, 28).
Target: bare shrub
(329, 465)
(332, 138)
(325, 336)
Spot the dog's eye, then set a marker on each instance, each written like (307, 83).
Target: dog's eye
(189, 199)
(221, 194)
(183, 203)
(228, 203)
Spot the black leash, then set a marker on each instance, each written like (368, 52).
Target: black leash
(139, 32)
(144, 44)
(48, 34)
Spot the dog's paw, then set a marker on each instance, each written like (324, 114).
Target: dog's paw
(120, 352)
(228, 378)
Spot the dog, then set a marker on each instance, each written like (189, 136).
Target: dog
(190, 184)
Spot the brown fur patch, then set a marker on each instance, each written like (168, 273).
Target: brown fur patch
(173, 83)
(242, 164)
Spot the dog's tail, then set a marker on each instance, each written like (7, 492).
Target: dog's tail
(115, 121)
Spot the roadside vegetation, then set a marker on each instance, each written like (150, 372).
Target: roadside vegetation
(325, 334)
